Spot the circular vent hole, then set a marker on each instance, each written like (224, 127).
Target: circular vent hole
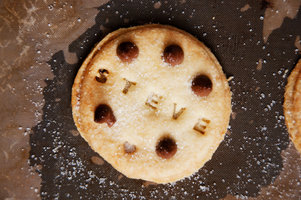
(127, 51)
(173, 55)
(201, 85)
(166, 147)
(104, 114)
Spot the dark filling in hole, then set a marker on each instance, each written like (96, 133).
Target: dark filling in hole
(127, 51)
(266, 4)
(201, 85)
(166, 147)
(104, 114)
(173, 54)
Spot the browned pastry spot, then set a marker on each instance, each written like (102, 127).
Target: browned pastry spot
(201, 85)
(127, 51)
(104, 114)
(129, 148)
(166, 147)
(173, 55)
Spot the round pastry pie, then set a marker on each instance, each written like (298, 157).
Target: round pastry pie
(292, 105)
(153, 101)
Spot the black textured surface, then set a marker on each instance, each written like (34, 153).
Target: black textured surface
(247, 159)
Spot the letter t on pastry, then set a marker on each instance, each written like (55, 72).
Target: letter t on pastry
(127, 86)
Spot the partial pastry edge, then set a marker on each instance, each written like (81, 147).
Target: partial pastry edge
(288, 106)
(76, 92)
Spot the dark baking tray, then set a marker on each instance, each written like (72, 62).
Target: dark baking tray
(250, 156)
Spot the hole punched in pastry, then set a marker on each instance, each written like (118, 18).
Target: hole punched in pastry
(127, 51)
(104, 114)
(166, 147)
(173, 55)
(201, 85)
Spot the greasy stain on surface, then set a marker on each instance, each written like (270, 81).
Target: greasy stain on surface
(30, 32)
(97, 160)
(275, 14)
(157, 5)
(259, 65)
(288, 178)
(245, 8)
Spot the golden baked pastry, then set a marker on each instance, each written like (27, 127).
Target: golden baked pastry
(153, 101)
(292, 106)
